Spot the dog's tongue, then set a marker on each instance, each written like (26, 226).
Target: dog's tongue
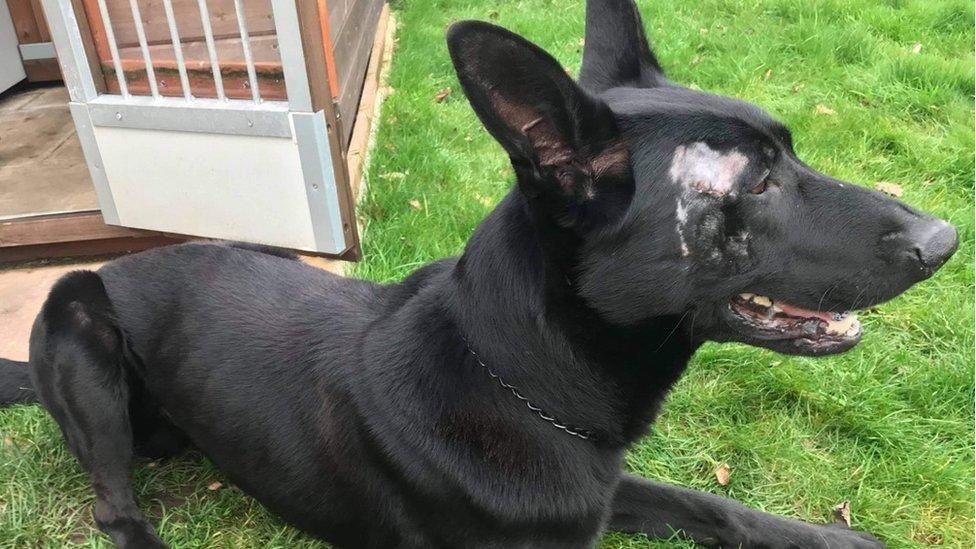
(792, 310)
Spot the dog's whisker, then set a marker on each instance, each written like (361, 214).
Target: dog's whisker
(673, 330)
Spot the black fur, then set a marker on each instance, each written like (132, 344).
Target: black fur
(15, 385)
(486, 400)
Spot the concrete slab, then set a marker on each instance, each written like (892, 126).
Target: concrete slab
(42, 168)
(22, 292)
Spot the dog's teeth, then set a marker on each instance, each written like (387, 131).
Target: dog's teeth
(747, 297)
(762, 300)
(842, 325)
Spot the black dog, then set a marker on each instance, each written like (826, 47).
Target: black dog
(488, 400)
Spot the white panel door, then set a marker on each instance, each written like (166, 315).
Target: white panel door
(11, 67)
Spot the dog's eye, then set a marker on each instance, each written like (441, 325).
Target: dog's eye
(760, 188)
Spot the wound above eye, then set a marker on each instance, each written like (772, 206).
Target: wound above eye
(704, 170)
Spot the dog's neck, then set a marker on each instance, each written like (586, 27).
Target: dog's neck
(520, 313)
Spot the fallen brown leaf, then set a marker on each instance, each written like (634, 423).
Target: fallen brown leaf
(894, 189)
(414, 203)
(917, 48)
(825, 110)
(796, 88)
(842, 513)
(767, 74)
(722, 474)
(442, 94)
(485, 201)
(214, 486)
(394, 175)
(493, 15)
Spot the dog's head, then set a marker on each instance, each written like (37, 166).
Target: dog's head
(680, 201)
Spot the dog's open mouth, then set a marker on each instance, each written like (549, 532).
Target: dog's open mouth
(791, 329)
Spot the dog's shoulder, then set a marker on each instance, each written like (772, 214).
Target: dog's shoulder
(260, 248)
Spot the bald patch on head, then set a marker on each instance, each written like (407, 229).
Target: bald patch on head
(702, 169)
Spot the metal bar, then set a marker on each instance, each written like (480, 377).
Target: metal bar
(113, 48)
(37, 50)
(174, 36)
(66, 35)
(85, 129)
(144, 46)
(269, 118)
(252, 76)
(320, 185)
(211, 49)
(289, 35)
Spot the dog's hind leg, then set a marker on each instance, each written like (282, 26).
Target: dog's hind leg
(661, 511)
(78, 370)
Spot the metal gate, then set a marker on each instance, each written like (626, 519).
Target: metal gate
(256, 169)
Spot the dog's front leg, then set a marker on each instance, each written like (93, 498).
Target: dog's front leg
(660, 510)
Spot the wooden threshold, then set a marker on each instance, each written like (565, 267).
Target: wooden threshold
(73, 234)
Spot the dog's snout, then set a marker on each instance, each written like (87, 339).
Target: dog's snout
(934, 243)
(921, 247)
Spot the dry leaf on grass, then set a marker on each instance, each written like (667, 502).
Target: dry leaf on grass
(414, 203)
(767, 74)
(886, 187)
(696, 60)
(394, 175)
(917, 48)
(442, 95)
(722, 474)
(485, 201)
(842, 513)
(214, 486)
(824, 109)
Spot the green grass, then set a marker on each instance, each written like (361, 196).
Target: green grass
(889, 426)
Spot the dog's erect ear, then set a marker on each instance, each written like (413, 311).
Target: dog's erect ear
(615, 50)
(563, 142)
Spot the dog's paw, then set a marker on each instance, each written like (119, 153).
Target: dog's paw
(839, 536)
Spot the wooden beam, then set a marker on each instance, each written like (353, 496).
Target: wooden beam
(25, 23)
(88, 39)
(42, 70)
(359, 142)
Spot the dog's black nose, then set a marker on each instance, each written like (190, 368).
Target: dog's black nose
(934, 243)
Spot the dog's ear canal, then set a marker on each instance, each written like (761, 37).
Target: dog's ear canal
(615, 49)
(564, 143)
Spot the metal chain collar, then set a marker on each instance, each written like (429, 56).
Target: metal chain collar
(575, 431)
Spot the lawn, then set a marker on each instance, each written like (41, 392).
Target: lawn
(874, 92)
